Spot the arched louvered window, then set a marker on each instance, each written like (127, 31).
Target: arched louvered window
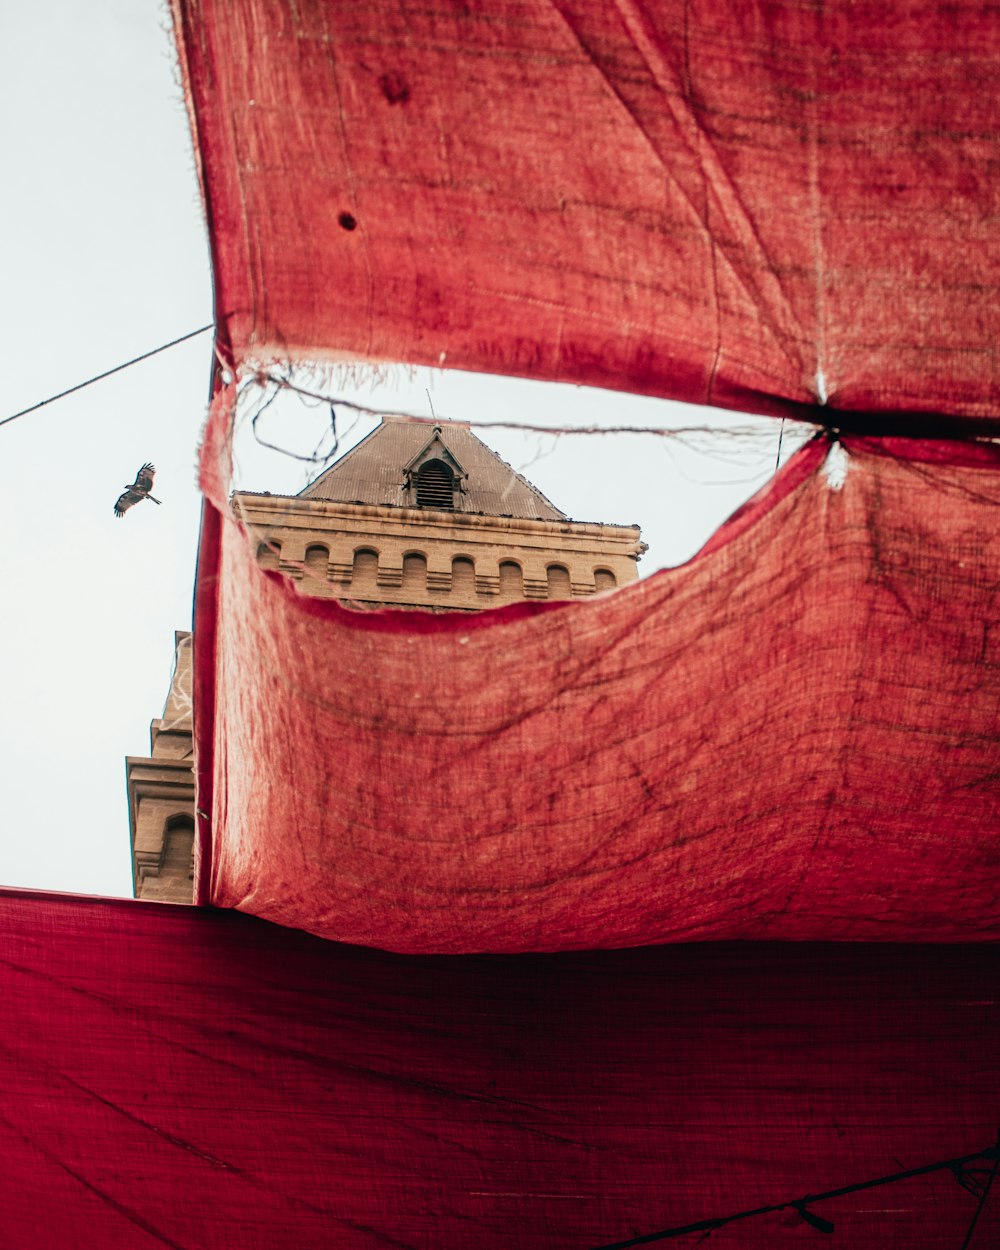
(604, 579)
(317, 561)
(365, 570)
(511, 580)
(560, 586)
(435, 486)
(463, 576)
(268, 555)
(415, 572)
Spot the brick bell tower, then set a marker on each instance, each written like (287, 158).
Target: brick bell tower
(431, 517)
(413, 517)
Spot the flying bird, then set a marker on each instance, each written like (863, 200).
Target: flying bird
(138, 491)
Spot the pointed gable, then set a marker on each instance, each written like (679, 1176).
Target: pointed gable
(436, 449)
(384, 469)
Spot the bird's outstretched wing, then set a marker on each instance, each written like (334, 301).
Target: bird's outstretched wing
(138, 491)
(125, 501)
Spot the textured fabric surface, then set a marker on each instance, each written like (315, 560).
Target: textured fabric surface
(201, 1080)
(794, 736)
(757, 204)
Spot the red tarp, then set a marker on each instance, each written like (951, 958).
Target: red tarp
(749, 204)
(197, 1079)
(764, 205)
(794, 736)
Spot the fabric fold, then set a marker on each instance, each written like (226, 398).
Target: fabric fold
(791, 737)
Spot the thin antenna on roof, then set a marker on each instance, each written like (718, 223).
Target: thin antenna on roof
(430, 402)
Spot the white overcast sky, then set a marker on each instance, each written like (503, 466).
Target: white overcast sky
(104, 256)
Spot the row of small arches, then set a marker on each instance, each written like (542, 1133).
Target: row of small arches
(463, 572)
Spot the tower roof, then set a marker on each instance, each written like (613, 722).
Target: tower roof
(376, 472)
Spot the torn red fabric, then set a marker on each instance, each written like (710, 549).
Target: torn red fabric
(190, 1078)
(761, 204)
(792, 737)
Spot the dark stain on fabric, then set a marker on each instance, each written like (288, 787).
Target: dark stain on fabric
(395, 88)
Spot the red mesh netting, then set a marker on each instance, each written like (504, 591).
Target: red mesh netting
(794, 736)
(186, 1078)
(752, 204)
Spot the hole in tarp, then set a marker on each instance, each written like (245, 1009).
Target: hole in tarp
(680, 483)
(347, 221)
(395, 88)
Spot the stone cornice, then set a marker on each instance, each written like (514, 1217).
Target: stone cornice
(287, 509)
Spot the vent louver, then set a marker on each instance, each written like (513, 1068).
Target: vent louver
(435, 487)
